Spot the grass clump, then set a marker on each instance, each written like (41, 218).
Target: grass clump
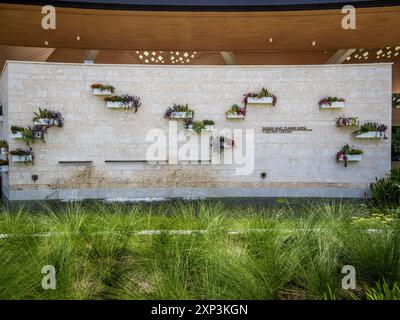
(198, 250)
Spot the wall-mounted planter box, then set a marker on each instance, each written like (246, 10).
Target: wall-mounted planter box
(351, 157)
(3, 168)
(263, 100)
(334, 105)
(181, 115)
(26, 158)
(114, 104)
(46, 122)
(3, 150)
(207, 128)
(99, 92)
(235, 116)
(370, 135)
(17, 135)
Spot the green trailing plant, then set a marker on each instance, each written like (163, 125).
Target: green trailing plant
(208, 122)
(33, 133)
(22, 152)
(3, 144)
(127, 101)
(345, 151)
(261, 94)
(343, 121)
(103, 87)
(236, 110)
(372, 126)
(178, 108)
(327, 101)
(198, 126)
(54, 117)
(385, 192)
(16, 129)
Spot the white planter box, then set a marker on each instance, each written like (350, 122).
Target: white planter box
(3, 168)
(352, 157)
(234, 116)
(3, 150)
(207, 128)
(21, 158)
(46, 122)
(17, 135)
(181, 115)
(99, 92)
(114, 104)
(370, 135)
(263, 100)
(334, 105)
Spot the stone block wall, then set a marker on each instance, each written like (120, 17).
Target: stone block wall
(296, 164)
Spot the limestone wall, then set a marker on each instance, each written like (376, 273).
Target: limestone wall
(296, 164)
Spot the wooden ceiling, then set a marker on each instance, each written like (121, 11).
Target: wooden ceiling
(20, 25)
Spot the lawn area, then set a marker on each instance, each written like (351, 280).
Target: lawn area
(117, 251)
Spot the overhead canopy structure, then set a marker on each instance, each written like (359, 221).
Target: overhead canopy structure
(87, 25)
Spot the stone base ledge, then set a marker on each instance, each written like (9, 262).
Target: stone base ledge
(185, 193)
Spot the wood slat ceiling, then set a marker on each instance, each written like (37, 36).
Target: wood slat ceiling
(20, 25)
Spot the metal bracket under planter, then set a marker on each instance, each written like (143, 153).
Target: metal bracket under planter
(181, 115)
(99, 92)
(235, 116)
(115, 104)
(333, 105)
(263, 100)
(46, 122)
(17, 135)
(351, 157)
(25, 158)
(370, 135)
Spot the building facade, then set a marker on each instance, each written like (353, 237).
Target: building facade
(283, 150)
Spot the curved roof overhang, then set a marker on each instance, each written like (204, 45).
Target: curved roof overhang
(203, 30)
(210, 5)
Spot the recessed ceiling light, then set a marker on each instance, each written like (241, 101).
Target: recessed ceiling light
(78, 38)
(270, 40)
(46, 43)
(314, 43)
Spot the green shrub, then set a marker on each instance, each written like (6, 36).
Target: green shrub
(385, 191)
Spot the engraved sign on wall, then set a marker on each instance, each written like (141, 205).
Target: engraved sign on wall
(284, 129)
